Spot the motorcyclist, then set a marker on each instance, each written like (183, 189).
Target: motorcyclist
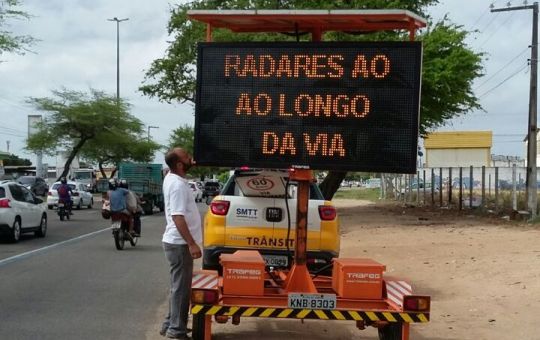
(118, 203)
(134, 205)
(64, 194)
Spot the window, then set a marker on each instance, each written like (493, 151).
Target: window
(2, 192)
(17, 193)
(28, 197)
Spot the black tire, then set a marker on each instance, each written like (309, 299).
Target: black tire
(16, 231)
(79, 206)
(119, 239)
(198, 325)
(61, 214)
(91, 203)
(50, 207)
(42, 227)
(391, 332)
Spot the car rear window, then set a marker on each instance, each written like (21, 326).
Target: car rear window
(232, 189)
(56, 185)
(212, 184)
(2, 192)
(26, 180)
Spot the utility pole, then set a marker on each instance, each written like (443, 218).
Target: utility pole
(531, 133)
(7, 144)
(118, 21)
(151, 127)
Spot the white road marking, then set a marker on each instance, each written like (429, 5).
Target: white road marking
(39, 250)
(55, 245)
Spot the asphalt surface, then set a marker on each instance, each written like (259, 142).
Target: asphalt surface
(75, 284)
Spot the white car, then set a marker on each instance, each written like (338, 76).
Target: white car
(21, 212)
(197, 192)
(80, 196)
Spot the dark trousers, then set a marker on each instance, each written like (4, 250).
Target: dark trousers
(137, 222)
(181, 269)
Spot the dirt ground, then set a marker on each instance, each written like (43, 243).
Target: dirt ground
(482, 273)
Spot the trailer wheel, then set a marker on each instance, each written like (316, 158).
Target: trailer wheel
(392, 331)
(198, 326)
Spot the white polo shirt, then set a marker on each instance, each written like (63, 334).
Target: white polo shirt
(179, 201)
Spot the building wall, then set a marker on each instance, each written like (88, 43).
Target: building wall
(458, 157)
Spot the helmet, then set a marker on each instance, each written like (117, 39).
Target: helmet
(123, 184)
(63, 180)
(113, 184)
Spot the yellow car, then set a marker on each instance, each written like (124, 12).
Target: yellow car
(253, 212)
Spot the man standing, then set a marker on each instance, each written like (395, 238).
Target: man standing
(180, 241)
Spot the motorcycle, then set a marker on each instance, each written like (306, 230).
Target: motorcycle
(120, 231)
(63, 211)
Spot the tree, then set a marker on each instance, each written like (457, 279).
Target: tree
(183, 137)
(8, 41)
(449, 68)
(118, 145)
(77, 120)
(15, 160)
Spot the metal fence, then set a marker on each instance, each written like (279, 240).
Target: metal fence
(494, 188)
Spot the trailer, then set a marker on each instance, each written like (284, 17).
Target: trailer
(330, 125)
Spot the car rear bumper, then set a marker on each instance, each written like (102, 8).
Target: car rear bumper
(5, 229)
(316, 259)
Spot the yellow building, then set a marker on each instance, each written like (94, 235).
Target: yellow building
(458, 148)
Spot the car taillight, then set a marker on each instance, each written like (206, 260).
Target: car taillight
(220, 207)
(4, 203)
(49, 193)
(75, 194)
(327, 212)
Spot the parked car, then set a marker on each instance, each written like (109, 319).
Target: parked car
(80, 196)
(197, 193)
(35, 184)
(251, 213)
(21, 212)
(211, 188)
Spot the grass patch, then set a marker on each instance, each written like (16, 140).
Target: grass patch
(358, 194)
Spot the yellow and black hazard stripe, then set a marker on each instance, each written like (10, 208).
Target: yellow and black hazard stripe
(290, 313)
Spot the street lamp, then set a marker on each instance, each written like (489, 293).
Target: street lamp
(151, 127)
(118, 21)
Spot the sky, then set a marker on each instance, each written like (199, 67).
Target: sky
(77, 51)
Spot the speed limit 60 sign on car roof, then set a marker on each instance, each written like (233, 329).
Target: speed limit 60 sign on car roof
(334, 106)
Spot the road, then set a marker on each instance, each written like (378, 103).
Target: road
(74, 284)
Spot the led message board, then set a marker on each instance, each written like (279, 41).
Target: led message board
(333, 106)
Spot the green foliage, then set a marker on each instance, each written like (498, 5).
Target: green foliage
(8, 41)
(359, 194)
(94, 125)
(448, 72)
(183, 137)
(14, 160)
(449, 69)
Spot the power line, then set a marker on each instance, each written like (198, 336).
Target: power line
(489, 23)
(480, 17)
(14, 104)
(502, 68)
(504, 81)
(495, 30)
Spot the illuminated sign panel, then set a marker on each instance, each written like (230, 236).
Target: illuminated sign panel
(332, 106)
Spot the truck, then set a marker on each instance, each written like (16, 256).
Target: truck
(86, 177)
(146, 180)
